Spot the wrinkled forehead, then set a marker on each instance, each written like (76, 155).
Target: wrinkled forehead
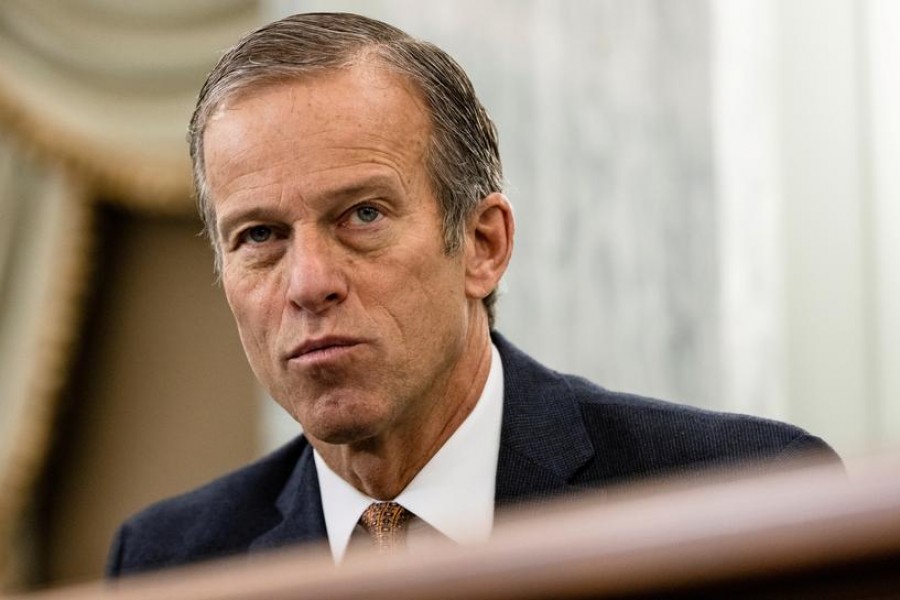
(366, 98)
(364, 113)
(369, 70)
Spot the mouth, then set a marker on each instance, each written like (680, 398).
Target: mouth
(322, 349)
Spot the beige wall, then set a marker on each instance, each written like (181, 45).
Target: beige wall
(162, 398)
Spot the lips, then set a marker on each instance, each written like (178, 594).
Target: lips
(322, 347)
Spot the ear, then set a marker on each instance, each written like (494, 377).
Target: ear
(489, 243)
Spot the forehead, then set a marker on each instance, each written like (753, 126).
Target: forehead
(356, 102)
(303, 129)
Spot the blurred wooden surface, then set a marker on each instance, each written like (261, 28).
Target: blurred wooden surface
(815, 533)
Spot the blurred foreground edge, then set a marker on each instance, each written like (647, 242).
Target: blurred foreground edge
(816, 532)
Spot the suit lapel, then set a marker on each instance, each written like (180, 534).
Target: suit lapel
(300, 505)
(543, 440)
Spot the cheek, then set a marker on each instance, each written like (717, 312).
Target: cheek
(418, 293)
(254, 306)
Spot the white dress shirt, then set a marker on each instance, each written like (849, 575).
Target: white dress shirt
(454, 491)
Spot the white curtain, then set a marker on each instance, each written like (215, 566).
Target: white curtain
(95, 97)
(108, 86)
(45, 221)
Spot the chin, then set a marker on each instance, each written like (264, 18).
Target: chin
(340, 417)
(340, 424)
(338, 434)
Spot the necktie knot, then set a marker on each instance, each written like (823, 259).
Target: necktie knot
(387, 523)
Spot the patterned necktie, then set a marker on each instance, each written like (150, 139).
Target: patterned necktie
(386, 522)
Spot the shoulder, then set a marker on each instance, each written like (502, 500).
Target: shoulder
(219, 518)
(635, 437)
(661, 428)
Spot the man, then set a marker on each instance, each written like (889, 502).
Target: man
(350, 182)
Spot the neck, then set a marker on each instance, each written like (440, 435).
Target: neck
(382, 467)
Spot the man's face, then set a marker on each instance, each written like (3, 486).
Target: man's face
(349, 311)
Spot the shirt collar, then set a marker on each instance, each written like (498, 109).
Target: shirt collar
(454, 491)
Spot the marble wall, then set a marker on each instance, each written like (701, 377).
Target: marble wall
(604, 118)
(704, 193)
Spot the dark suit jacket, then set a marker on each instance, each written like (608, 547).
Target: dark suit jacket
(560, 434)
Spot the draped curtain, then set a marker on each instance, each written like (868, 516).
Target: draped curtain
(95, 96)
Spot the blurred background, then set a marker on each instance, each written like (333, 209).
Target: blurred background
(706, 192)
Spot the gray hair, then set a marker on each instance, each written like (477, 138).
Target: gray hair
(462, 159)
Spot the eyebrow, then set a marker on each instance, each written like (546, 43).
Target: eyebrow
(373, 184)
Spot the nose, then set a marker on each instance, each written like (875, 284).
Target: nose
(316, 281)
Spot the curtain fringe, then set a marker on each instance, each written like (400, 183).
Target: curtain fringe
(58, 335)
(125, 179)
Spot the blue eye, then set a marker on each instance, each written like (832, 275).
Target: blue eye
(258, 234)
(367, 214)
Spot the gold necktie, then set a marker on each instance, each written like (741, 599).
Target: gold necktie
(386, 522)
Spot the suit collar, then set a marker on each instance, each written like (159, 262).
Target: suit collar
(300, 505)
(543, 440)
